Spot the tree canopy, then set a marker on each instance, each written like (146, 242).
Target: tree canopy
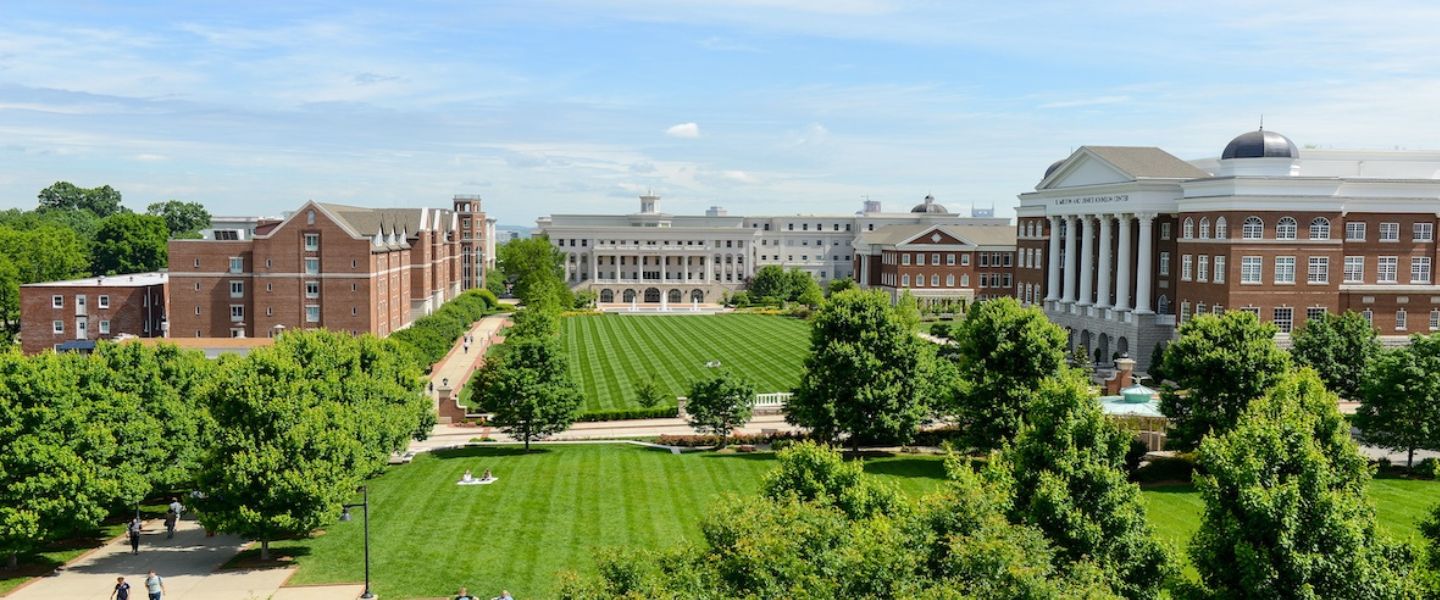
(719, 403)
(527, 388)
(867, 373)
(1286, 515)
(1003, 353)
(1339, 348)
(1400, 398)
(773, 285)
(1219, 364)
(182, 219)
(103, 201)
(131, 243)
(536, 272)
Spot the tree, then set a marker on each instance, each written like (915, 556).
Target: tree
(719, 403)
(528, 390)
(45, 253)
(131, 243)
(770, 285)
(182, 219)
(299, 425)
(537, 271)
(9, 301)
(1286, 513)
(495, 282)
(1400, 398)
(802, 288)
(534, 322)
(648, 393)
(1003, 353)
(808, 472)
(866, 373)
(1339, 348)
(1219, 364)
(104, 201)
(840, 285)
(154, 395)
(1067, 475)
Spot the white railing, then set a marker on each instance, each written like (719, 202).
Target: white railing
(771, 403)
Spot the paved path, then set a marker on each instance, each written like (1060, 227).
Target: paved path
(445, 436)
(457, 365)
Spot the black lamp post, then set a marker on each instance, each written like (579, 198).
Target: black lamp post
(345, 516)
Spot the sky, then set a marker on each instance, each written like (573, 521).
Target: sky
(760, 106)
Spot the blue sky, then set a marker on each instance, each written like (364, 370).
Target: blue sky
(760, 106)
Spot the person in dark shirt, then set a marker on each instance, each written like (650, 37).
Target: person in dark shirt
(121, 591)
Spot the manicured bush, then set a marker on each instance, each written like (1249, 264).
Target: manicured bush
(1428, 468)
(431, 336)
(692, 441)
(1178, 468)
(629, 414)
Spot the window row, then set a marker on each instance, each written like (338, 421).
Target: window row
(1287, 228)
(58, 327)
(58, 301)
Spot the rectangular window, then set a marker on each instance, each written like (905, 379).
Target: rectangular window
(1009, 259)
(269, 311)
(1187, 268)
(105, 328)
(920, 259)
(935, 259)
(1219, 269)
(312, 266)
(950, 259)
(1284, 319)
(1424, 232)
(1386, 268)
(905, 259)
(1420, 269)
(1202, 268)
(57, 326)
(1319, 270)
(1250, 269)
(1434, 319)
(1314, 312)
(104, 302)
(57, 302)
(312, 314)
(1369, 317)
(237, 264)
(1389, 232)
(312, 242)
(1164, 231)
(312, 289)
(1354, 269)
(1284, 269)
(237, 312)
(964, 260)
(1355, 232)
(1164, 263)
(1184, 311)
(1400, 320)
(237, 289)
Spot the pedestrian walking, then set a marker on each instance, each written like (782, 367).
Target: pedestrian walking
(155, 586)
(121, 591)
(134, 530)
(170, 519)
(466, 345)
(176, 507)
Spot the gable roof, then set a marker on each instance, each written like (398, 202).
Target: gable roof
(1146, 162)
(977, 235)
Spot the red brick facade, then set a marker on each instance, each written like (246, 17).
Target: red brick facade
(939, 263)
(99, 308)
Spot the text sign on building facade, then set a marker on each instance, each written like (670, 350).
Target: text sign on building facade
(1116, 198)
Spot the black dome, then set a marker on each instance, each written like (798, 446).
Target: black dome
(1051, 169)
(929, 206)
(1260, 144)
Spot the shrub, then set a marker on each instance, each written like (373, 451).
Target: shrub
(1170, 469)
(1427, 468)
(629, 414)
(1134, 455)
(431, 336)
(692, 441)
(940, 330)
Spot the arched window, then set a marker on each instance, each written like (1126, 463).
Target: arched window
(1286, 228)
(950, 281)
(1188, 230)
(1320, 228)
(1204, 228)
(1222, 230)
(904, 281)
(934, 281)
(1252, 229)
(1163, 305)
(965, 281)
(919, 281)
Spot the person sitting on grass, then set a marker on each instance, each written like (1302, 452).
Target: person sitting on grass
(467, 477)
(504, 595)
(464, 595)
(487, 476)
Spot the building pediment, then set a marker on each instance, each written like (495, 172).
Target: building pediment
(1084, 169)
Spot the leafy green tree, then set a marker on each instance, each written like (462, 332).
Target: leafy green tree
(131, 243)
(770, 285)
(648, 393)
(534, 322)
(182, 219)
(840, 285)
(1218, 366)
(1069, 481)
(1400, 398)
(9, 301)
(866, 375)
(46, 253)
(536, 270)
(527, 389)
(495, 282)
(55, 477)
(803, 288)
(811, 296)
(720, 403)
(104, 201)
(1430, 528)
(1286, 515)
(1003, 353)
(1339, 348)
(168, 387)
(1157, 364)
(808, 472)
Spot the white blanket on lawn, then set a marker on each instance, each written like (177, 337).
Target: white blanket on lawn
(478, 481)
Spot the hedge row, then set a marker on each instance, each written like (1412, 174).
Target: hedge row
(691, 441)
(629, 414)
(431, 336)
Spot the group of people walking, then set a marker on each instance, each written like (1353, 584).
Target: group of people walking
(154, 584)
(154, 587)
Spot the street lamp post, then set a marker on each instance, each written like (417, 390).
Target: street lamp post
(364, 505)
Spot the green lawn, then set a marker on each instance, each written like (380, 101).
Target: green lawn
(548, 512)
(609, 353)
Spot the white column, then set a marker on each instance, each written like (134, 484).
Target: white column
(1052, 285)
(1143, 267)
(594, 263)
(1087, 260)
(663, 281)
(1071, 223)
(1102, 285)
(709, 268)
(864, 270)
(1123, 266)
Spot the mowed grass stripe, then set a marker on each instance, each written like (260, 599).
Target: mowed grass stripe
(610, 354)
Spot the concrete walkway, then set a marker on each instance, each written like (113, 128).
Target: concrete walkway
(446, 436)
(457, 365)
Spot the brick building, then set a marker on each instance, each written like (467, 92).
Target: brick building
(477, 241)
(76, 313)
(939, 263)
(1125, 244)
(340, 267)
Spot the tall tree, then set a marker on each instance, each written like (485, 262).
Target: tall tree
(1286, 515)
(9, 301)
(866, 375)
(1400, 398)
(1003, 353)
(1219, 365)
(63, 195)
(840, 285)
(131, 243)
(527, 389)
(536, 270)
(1067, 473)
(770, 285)
(46, 253)
(719, 403)
(182, 219)
(1339, 348)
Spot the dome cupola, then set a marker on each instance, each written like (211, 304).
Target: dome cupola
(1260, 144)
(929, 206)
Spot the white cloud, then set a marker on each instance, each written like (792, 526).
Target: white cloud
(739, 176)
(1083, 102)
(684, 130)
